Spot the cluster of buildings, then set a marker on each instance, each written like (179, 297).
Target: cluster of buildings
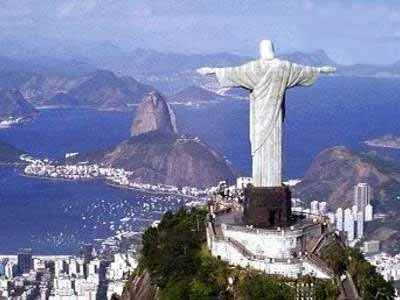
(65, 277)
(348, 222)
(25, 277)
(388, 266)
(351, 221)
(114, 176)
(45, 168)
(11, 121)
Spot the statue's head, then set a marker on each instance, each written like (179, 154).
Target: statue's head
(267, 50)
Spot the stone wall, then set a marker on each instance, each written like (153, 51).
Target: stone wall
(265, 250)
(272, 245)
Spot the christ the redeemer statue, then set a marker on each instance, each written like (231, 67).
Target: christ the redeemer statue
(267, 78)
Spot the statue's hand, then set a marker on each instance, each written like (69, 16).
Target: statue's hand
(205, 71)
(327, 69)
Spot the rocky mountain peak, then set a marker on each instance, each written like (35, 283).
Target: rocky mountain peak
(13, 104)
(154, 114)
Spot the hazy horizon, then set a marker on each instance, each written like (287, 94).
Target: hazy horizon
(350, 33)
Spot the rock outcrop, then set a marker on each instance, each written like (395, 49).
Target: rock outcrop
(141, 288)
(156, 154)
(13, 104)
(154, 114)
(335, 171)
(157, 157)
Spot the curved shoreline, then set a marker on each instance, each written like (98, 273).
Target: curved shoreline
(149, 191)
(107, 182)
(59, 178)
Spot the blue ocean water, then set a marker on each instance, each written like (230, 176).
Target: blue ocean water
(58, 216)
(334, 111)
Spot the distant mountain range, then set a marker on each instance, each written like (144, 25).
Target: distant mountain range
(100, 89)
(171, 72)
(71, 79)
(148, 62)
(168, 72)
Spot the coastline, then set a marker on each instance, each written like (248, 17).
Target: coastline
(59, 178)
(149, 191)
(379, 145)
(83, 107)
(3, 163)
(109, 183)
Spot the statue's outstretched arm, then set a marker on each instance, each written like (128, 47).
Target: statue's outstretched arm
(206, 71)
(232, 76)
(301, 75)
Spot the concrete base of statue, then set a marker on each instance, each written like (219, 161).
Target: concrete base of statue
(267, 207)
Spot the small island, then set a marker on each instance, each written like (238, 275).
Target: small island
(387, 141)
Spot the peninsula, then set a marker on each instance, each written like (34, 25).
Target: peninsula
(387, 141)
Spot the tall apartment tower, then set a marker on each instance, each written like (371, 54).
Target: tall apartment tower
(349, 224)
(339, 219)
(360, 224)
(369, 213)
(362, 195)
(25, 263)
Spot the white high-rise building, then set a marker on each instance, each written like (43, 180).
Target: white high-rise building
(362, 195)
(354, 209)
(38, 264)
(360, 224)
(63, 287)
(58, 267)
(339, 219)
(93, 267)
(85, 289)
(350, 232)
(369, 213)
(349, 223)
(323, 207)
(314, 207)
(80, 265)
(331, 216)
(8, 269)
(242, 182)
(72, 266)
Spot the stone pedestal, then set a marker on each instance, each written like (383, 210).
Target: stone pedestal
(267, 207)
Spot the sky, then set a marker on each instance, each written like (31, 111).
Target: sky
(349, 31)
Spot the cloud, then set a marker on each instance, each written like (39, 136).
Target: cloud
(76, 7)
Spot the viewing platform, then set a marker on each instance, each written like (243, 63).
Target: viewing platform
(287, 251)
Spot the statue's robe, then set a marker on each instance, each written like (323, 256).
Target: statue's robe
(267, 80)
